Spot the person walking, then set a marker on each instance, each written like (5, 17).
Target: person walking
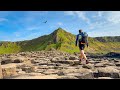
(81, 41)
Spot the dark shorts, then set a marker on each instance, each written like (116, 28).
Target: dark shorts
(81, 46)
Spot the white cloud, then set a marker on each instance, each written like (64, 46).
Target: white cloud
(80, 14)
(27, 30)
(100, 13)
(107, 25)
(113, 17)
(105, 29)
(18, 39)
(60, 23)
(104, 22)
(69, 13)
(97, 25)
(3, 19)
(32, 35)
(105, 32)
(31, 28)
(17, 34)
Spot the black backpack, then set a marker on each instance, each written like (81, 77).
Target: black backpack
(83, 38)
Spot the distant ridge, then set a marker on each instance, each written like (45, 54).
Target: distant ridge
(63, 41)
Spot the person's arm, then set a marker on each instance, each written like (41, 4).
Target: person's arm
(76, 40)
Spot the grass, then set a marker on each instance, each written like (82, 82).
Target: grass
(63, 41)
(7, 48)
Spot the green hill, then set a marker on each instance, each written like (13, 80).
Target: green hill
(63, 41)
(9, 47)
(56, 40)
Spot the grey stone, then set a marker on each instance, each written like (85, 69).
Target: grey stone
(117, 64)
(28, 69)
(8, 70)
(60, 73)
(108, 72)
(67, 77)
(88, 66)
(73, 58)
(6, 61)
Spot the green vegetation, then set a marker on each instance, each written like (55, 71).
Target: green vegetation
(9, 47)
(104, 47)
(63, 41)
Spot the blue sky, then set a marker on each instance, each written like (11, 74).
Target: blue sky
(26, 25)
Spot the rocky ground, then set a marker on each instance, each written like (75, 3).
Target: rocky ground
(57, 65)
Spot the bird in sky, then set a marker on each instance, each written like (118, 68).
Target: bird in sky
(45, 22)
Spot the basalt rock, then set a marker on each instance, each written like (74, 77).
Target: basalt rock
(57, 65)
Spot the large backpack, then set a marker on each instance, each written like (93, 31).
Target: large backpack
(83, 38)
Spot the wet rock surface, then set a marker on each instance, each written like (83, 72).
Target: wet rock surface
(57, 65)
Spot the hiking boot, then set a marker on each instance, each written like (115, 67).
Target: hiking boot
(87, 62)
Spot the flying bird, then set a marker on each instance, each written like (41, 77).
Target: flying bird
(45, 22)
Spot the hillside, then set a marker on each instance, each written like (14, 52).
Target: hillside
(46, 42)
(9, 47)
(105, 44)
(62, 41)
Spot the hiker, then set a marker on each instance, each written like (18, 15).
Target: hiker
(82, 39)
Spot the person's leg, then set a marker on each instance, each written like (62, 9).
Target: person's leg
(81, 57)
(82, 51)
(83, 54)
(83, 47)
